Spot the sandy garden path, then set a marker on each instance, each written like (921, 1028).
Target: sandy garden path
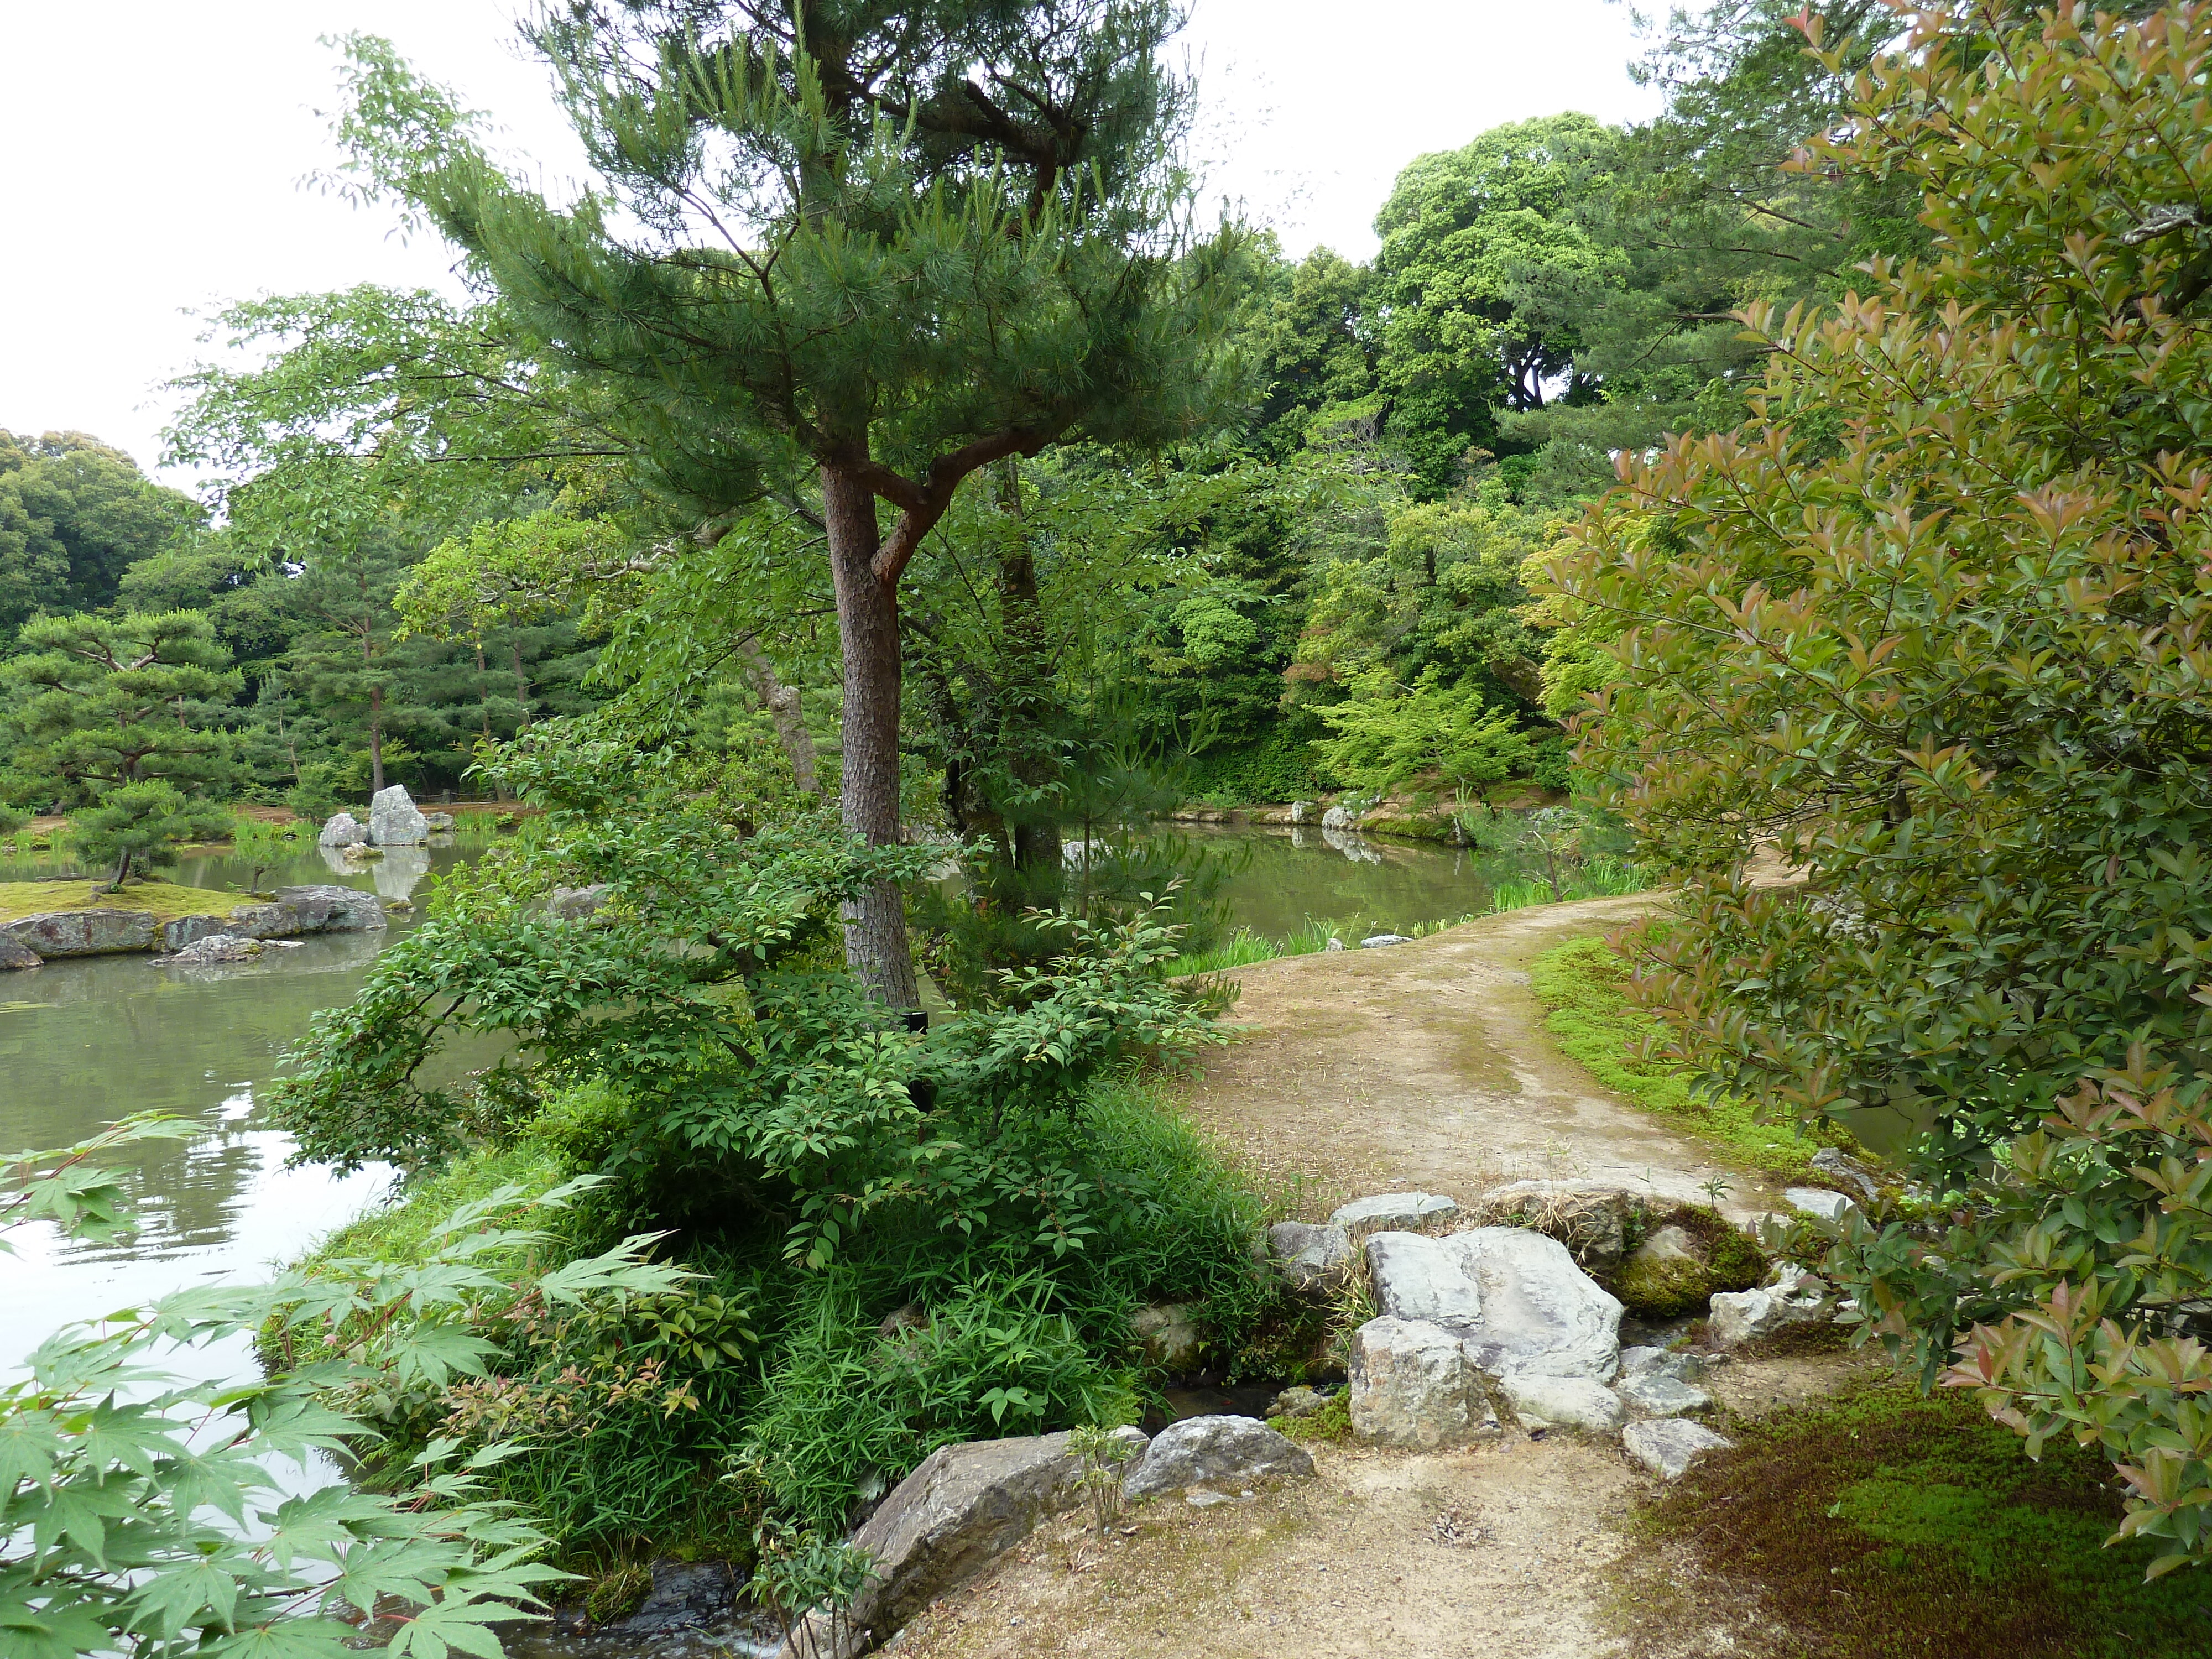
(1426, 1066)
(1423, 1065)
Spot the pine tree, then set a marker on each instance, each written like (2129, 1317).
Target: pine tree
(847, 253)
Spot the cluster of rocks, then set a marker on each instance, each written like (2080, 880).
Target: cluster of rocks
(292, 911)
(1497, 1324)
(393, 821)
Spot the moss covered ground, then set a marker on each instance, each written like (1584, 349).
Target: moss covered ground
(1583, 987)
(1879, 1525)
(167, 900)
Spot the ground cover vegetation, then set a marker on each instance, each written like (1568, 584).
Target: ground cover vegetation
(1929, 625)
(1886, 1522)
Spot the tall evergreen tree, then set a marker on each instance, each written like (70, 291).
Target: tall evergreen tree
(849, 252)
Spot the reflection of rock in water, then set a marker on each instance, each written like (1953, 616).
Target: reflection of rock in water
(1353, 845)
(398, 871)
(1082, 854)
(338, 864)
(1300, 837)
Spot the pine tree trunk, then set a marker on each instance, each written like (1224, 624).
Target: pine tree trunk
(521, 684)
(876, 949)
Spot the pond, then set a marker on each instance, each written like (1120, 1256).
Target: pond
(85, 1042)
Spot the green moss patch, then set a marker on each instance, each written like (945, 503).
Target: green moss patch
(1582, 985)
(166, 900)
(1726, 1260)
(1882, 1525)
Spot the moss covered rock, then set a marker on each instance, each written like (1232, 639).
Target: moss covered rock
(1688, 1254)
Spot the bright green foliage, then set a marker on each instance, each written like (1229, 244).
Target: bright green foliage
(800, 1572)
(1483, 270)
(140, 825)
(140, 1515)
(74, 516)
(1934, 625)
(1397, 733)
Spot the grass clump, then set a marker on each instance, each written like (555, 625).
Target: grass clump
(1583, 985)
(1882, 1525)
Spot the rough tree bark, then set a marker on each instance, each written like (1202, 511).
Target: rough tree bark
(876, 947)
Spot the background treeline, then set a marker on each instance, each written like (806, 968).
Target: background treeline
(417, 539)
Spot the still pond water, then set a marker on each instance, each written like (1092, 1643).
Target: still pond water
(84, 1043)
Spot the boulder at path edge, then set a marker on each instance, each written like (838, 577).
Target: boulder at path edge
(1206, 1451)
(342, 829)
(1819, 1201)
(1669, 1445)
(959, 1512)
(14, 953)
(393, 821)
(1412, 1385)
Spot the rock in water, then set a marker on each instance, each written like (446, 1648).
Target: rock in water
(83, 933)
(1516, 1297)
(1210, 1451)
(1304, 1254)
(1303, 811)
(1411, 1385)
(685, 1596)
(1669, 1445)
(326, 909)
(14, 953)
(393, 821)
(1393, 1211)
(437, 823)
(343, 830)
(214, 948)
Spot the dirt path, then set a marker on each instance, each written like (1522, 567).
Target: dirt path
(1423, 1066)
(1427, 1065)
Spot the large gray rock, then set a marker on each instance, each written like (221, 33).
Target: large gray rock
(1337, 818)
(342, 829)
(955, 1514)
(1669, 1445)
(437, 823)
(393, 821)
(1653, 1394)
(1581, 1402)
(1204, 1451)
(1303, 812)
(1304, 1254)
(84, 933)
(1590, 1219)
(1414, 1385)
(1514, 1296)
(1388, 1212)
(14, 953)
(685, 1596)
(331, 910)
(1797, 1297)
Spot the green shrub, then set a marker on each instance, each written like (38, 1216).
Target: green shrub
(1278, 767)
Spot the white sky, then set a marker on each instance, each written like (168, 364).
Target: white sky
(157, 152)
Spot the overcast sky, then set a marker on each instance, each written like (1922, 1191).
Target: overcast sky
(159, 153)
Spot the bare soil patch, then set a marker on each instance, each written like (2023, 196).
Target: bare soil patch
(1426, 1066)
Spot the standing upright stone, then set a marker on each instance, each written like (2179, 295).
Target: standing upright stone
(393, 821)
(343, 830)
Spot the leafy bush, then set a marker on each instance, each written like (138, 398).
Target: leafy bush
(1278, 767)
(1932, 626)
